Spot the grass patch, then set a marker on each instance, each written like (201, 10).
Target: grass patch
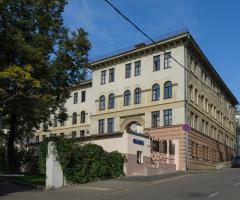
(30, 179)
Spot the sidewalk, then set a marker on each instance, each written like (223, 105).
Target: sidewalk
(120, 184)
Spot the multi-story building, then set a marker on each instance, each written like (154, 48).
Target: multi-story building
(156, 90)
(238, 131)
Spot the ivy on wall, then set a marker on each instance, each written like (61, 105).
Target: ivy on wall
(83, 163)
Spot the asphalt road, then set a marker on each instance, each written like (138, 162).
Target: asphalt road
(224, 184)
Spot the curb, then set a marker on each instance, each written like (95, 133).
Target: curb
(33, 186)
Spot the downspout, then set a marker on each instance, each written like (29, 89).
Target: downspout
(186, 102)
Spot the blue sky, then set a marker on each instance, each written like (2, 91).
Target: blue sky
(214, 24)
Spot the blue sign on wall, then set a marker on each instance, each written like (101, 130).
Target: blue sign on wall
(136, 141)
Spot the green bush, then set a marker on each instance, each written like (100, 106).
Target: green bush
(83, 163)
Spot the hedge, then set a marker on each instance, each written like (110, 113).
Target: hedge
(83, 163)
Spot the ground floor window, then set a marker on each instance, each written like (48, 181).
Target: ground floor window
(139, 157)
(82, 133)
(163, 146)
(171, 147)
(74, 134)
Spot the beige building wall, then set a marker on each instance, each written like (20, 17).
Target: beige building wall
(145, 81)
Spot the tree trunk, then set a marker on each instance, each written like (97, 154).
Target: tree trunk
(11, 156)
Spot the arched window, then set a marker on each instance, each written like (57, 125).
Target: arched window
(102, 102)
(55, 121)
(167, 90)
(83, 117)
(111, 101)
(155, 92)
(74, 118)
(127, 98)
(137, 95)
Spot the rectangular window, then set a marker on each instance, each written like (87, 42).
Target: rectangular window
(37, 139)
(128, 70)
(75, 98)
(171, 148)
(62, 123)
(43, 137)
(82, 133)
(156, 63)
(103, 77)
(83, 96)
(155, 119)
(167, 60)
(167, 117)
(74, 134)
(138, 68)
(155, 145)
(111, 75)
(139, 157)
(101, 126)
(163, 146)
(110, 125)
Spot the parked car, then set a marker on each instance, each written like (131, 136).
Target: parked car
(236, 162)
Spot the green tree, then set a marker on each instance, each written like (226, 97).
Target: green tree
(40, 59)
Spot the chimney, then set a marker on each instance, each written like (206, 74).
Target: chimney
(140, 45)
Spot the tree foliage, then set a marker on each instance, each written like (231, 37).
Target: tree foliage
(40, 59)
(83, 163)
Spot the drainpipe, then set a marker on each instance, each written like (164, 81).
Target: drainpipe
(185, 105)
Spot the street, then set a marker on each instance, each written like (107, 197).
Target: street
(224, 184)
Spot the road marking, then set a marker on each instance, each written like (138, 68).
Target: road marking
(213, 194)
(237, 184)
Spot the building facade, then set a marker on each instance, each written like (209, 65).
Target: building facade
(155, 90)
(238, 131)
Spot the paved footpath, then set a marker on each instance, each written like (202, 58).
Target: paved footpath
(223, 184)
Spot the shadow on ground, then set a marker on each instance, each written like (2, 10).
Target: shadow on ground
(9, 188)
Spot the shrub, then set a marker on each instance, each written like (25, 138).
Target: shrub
(83, 163)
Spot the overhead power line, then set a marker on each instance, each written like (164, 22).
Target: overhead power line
(154, 42)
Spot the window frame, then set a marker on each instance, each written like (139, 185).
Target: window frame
(102, 102)
(168, 90)
(155, 92)
(137, 69)
(83, 96)
(83, 117)
(110, 122)
(167, 60)
(111, 75)
(156, 63)
(155, 116)
(75, 97)
(127, 98)
(128, 70)
(101, 123)
(137, 96)
(139, 157)
(74, 118)
(167, 117)
(111, 101)
(103, 77)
